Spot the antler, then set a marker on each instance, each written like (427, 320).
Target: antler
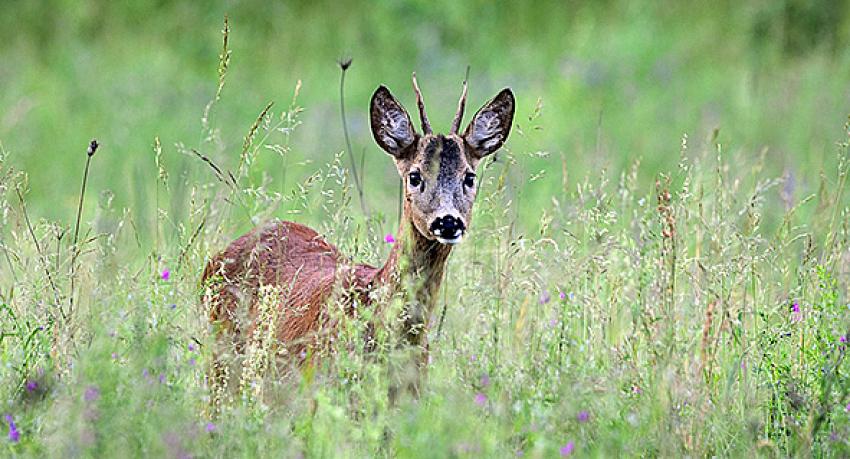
(426, 126)
(460, 105)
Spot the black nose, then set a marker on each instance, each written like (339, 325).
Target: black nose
(447, 227)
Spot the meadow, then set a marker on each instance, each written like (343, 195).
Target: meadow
(658, 262)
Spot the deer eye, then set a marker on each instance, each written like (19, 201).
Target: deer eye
(469, 180)
(415, 179)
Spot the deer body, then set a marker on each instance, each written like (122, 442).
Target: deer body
(438, 171)
(309, 270)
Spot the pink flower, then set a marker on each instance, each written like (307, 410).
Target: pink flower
(389, 239)
(842, 339)
(568, 449)
(165, 274)
(583, 416)
(480, 399)
(562, 296)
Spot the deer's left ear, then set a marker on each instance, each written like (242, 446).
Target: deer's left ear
(491, 125)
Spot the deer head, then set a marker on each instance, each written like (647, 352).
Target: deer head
(438, 170)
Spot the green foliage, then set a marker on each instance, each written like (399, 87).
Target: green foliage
(626, 289)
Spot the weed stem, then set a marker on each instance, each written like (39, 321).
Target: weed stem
(76, 250)
(344, 65)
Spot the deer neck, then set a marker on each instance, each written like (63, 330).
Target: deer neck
(413, 273)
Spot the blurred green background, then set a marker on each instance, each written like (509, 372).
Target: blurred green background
(599, 84)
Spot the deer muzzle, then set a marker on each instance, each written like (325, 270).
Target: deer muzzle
(448, 229)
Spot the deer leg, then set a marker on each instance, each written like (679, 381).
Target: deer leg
(408, 372)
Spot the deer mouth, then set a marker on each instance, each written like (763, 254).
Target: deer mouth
(455, 239)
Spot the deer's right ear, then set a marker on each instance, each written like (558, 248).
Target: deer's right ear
(391, 124)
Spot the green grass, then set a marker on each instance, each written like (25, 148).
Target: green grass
(680, 249)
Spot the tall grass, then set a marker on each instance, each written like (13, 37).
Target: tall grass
(704, 315)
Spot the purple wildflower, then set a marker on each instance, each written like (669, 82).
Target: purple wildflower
(545, 297)
(485, 380)
(172, 306)
(796, 315)
(191, 347)
(473, 358)
(562, 296)
(583, 416)
(842, 339)
(847, 408)
(14, 435)
(92, 393)
(568, 449)
(210, 427)
(480, 399)
(192, 362)
(166, 274)
(389, 239)
(114, 356)
(162, 378)
(31, 386)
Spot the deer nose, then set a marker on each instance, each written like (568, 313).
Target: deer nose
(447, 227)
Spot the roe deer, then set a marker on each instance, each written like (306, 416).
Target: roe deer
(439, 190)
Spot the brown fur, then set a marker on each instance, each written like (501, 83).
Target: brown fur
(285, 254)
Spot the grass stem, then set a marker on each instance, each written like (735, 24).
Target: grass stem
(344, 65)
(93, 145)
